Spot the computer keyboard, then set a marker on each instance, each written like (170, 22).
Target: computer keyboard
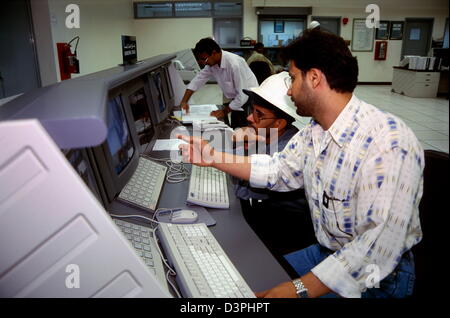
(203, 269)
(144, 187)
(141, 238)
(208, 187)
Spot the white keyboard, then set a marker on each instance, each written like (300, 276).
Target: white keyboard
(144, 187)
(203, 269)
(141, 238)
(208, 187)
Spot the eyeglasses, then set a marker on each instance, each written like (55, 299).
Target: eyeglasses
(204, 60)
(288, 82)
(258, 116)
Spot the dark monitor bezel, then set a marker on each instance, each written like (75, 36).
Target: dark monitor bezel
(157, 115)
(113, 183)
(169, 85)
(95, 188)
(130, 88)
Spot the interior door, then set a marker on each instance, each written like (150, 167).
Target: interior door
(417, 37)
(331, 24)
(18, 61)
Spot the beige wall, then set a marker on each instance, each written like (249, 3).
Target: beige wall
(103, 21)
(162, 36)
(370, 70)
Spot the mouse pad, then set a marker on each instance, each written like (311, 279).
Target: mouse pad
(203, 215)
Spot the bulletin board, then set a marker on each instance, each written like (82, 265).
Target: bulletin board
(362, 37)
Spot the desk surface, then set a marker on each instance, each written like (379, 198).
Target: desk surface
(250, 256)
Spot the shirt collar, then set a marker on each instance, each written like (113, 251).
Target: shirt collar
(224, 61)
(342, 126)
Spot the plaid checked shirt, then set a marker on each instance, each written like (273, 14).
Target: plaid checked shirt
(363, 180)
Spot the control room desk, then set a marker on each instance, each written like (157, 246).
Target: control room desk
(250, 256)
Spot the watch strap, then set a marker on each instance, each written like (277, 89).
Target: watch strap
(301, 290)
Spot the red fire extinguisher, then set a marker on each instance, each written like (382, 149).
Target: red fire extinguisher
(68, 62)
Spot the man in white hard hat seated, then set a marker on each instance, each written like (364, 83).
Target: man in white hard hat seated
(314, 25)
(271, 124)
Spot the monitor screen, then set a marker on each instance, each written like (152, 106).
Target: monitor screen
(141, 115)
(119, 140)
(129, 49)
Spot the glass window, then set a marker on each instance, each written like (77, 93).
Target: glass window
(229, 9)
(192, 9)
(274, 33)
(228, 32)
(153, 10)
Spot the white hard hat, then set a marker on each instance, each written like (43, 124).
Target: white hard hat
(313, 24)
(274, 91)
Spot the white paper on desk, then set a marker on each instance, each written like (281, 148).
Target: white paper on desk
(189, 119)
(168, 144)
(196, 112)
(205, 109)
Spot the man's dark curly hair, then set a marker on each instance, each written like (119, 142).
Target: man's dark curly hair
(327, 52)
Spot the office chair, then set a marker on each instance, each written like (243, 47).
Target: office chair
(432, 209)
(261, 70)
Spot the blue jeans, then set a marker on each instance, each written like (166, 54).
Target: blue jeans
(398, 284)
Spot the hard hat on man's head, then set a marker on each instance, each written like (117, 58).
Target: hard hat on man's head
(274, 91)
(313, 25)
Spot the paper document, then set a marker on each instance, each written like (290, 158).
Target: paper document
(205, 109)
(168, 144)
(196, 112)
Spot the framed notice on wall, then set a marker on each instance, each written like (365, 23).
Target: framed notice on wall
(362, 37)
(382, 32)
(396, 30)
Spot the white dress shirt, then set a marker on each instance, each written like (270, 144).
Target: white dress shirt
(232, 75)
(370, 164)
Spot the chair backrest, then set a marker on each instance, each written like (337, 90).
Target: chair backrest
(433, 208)
(261, 70)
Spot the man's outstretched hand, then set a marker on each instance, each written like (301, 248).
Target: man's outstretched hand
(197, 151)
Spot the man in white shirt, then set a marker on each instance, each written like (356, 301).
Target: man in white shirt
(362, 173)
(232, 75)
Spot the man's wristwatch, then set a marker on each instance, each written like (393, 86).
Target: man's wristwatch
(302, 291)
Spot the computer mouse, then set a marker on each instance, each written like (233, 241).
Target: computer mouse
(184, 217)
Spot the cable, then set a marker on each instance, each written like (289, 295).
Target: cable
(177, 171)
(76, 45)
(172, 285)
(170, 271)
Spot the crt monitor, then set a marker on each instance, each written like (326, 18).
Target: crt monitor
(170, 93)
(161, 102)
(117, 158)
(79, 160)
(136, 96)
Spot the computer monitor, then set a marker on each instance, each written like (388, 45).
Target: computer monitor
(169, 87)
(137, 97)
(158, 86)
(79, 160)
(117, 158)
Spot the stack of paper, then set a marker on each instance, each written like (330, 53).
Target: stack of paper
(196, 112)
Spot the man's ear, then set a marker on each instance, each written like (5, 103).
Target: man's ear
(280, 123)
(315, 77)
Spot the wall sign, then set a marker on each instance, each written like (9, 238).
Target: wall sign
(396, 30)
(363, 37)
